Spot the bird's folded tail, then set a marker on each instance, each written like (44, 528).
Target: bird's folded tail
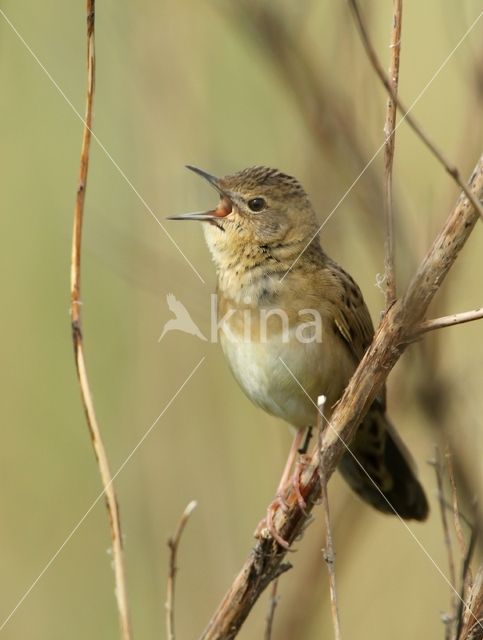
(385, 477)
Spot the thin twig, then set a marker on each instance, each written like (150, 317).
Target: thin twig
(265, 561)
(390, 137)
(454, 499)
(371, 53)
(173, 544)
(272, 605)
(328, 552)
(450, 507)
(76, 325)
(449, 321)
(447, 619)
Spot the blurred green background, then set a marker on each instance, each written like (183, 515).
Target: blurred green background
(221, 85)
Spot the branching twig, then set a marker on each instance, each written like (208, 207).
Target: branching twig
(75, 315)
(265, 562)
(390, 136)
(438, 470)
(371, 53)
(329, 554)
(448, 321)
(173, 544)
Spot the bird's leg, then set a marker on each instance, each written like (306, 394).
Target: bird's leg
(299, 468)
(288, 478)
(285, 479)
(308, 437)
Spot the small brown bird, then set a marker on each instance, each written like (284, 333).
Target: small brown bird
(294, 326)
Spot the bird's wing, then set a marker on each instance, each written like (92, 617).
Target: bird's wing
(351, 315)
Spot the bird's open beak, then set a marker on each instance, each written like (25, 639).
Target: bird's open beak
(222, 210)
(208, 177)
(195, 215)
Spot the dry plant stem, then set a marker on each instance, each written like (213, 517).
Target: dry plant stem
(371, 53)
(390, 136)
(329, 554)
(173, 544)
(454, 498)
(438, 470)
(393, 335)
(75, 314)
(272, 605)
(449, 321)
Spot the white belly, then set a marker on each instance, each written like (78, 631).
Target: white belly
(284, 377)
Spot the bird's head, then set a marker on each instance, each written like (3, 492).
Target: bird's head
(258, 207)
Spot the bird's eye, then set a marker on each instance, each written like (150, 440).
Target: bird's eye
(256, 204)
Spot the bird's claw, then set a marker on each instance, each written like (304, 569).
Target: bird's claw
(300, 466)
(266, 527)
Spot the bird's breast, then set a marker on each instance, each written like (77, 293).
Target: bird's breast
(283, 358)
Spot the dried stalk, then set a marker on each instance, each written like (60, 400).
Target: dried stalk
(328, 552)
(374, 60)
(76, 325)
(393, 335)
(173, 544)
(390, 137)
(449, 321)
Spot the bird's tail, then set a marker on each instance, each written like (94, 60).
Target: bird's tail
(380, 470)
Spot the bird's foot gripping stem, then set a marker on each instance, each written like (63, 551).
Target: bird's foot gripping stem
(266, 527)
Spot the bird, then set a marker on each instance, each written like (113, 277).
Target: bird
(294, 326)
(182, 321)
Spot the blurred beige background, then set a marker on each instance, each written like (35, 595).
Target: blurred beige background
(206, 83)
